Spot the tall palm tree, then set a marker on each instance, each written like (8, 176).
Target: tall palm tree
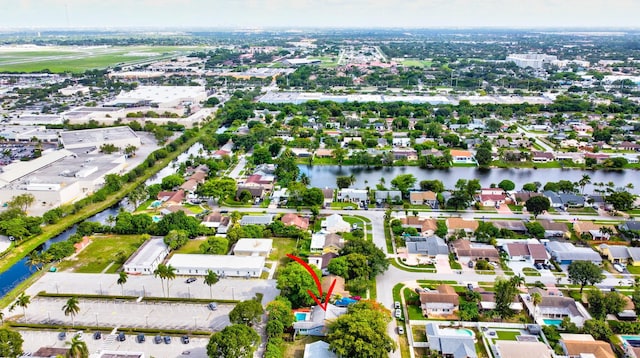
(536, 298)
(22, 301)
(586, 179)
(71, 308)
(77, 348)
(170, 275)
(161, 271)
(518, 280)
(211, 279)
(35, 260)
(122, 279)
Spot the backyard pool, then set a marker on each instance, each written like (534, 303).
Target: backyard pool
(155, 204)
(552, 322)
(633, 341)
(457, 332)
(156, 218)
(301, 316)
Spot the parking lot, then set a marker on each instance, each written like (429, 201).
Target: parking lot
(117, 313)
(197, 347)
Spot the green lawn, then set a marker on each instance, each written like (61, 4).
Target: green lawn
(191, 247)
(508, 335)
(102, 251)
(196, 209)
(528, 271)
(416, 63)
(282, 247)
(633, 269)
(343, 205)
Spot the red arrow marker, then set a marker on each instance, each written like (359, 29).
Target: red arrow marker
(317, 280)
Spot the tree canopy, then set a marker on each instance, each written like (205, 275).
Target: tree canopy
(377, 259)
(246, 312)
(537, 205)
(294, 281)
(234, 341)
(585, 273)
(10, 343)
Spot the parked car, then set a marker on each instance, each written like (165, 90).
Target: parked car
(97, 335)
(184, 339)
(537, 266)
(396, 305)
(470, 264)
(400, 330)
(157, 339)
(140, 338)
(121, 337)
(618, 267)
(167, 339)
(213, 306)
(398, 313)
(190, 280)
(62, 336)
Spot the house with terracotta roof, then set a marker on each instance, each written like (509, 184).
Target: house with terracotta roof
(597, 231)
(455, 224)
(461, 157)
(474, 250)
(516, 349)
(584, 345)
(554, 229)
(423, 198)
(424, 226)
(532, 252)
(323, 153)
(444, 301)
(541, 157)
(491, 199)
(295, 220)
(171, 197)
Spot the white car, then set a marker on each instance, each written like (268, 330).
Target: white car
(618, 268)
(398, 313)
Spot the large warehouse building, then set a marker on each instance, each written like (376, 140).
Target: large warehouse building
(160, 96)
(118, 136)
(222, 265)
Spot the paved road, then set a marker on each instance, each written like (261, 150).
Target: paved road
(535, 137)
(235, 173)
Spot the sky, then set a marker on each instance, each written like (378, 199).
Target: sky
(317, 13)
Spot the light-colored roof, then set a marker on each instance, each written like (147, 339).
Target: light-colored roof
(265, 219)
(515, 349)
(459, 223)
(204, 262)
(147, 253)
(567, 251)
(319, 349)
(255, 245)
(599, 349)
(317, 241)
(17, 170)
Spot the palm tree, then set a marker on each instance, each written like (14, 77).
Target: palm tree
(517, 280)
(211, 279)
(536, 298)
(35, 260)
(71, 308)
(77, 348)
(161, 271)
(122, 279)
(586, 179)
(22, 301)
(304, 179)
(170, 274)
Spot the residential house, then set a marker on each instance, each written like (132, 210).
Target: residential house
(353, 195)
(491, 199)
(584, 345)
(324, 153)
(436, 153)
(171, 197)
(338, 288)
(621, 254)
(575, 157)
(318, 319)
(512, 225)
(425, 226)
(171, 209)
(190, 186)
(541, 157)
(533, 252)
(335, 223)
(488, 301)
(295, 220)
(564, 200)
(456, 224)
(253, 247)
(317, 243)
(554, 229)
(474, 250)
(565, 253)
(597, 231)
(388, 196)
(449, 342)
(322, 261)
(257, 191)
(319, 349)
(599, 158)
(333, 243)
(301, 152)
(556, 307)
(426, 245)
(214, 219)
(264, 219)
(515, 349)
(404, 153)
(401, 142)
(444, 301)
(424, 198)
(629, 146)
(521, 197)
(328, 196)
(462, 157)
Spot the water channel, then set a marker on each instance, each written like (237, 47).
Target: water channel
(20, 271)
(325, 176)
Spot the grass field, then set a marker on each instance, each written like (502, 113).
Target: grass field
(79, 59)
(102, 251)
(191, 247)
(416, 63)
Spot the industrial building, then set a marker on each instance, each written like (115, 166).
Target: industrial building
(30, 119)
(147, 258)
(160, 96)
(222, 265)
(26, 133)
(118, 136)
(533, 60)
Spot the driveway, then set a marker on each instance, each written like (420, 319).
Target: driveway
(504, 209)
(442, 264)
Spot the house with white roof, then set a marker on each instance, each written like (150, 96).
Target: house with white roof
(253, 247)
(352, 195)
(222, 265)
(335, 223)
(147, 257)
(319, 349)
(318, 319)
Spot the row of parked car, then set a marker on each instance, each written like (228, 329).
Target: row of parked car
(121, 337)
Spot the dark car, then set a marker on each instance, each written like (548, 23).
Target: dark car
(184, 339)
(157, 339)
(121, 337)
(97, 335)
(62, 336)
(140, 338)
(537, 266)
(167, 339)
(470, 264)
(213, 306)
(190, 280)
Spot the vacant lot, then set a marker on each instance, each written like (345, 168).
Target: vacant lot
(102, 252)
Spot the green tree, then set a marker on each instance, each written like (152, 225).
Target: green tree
(210, 279)
(10, 343)
(532, 187)
(215, 246)
(483, 156)
(108, 148)
(172, 181)
(505, 291)
(361, 332)
(339, 154)
(377, 259)
(77, 348)
(621, 200)
(170, 274)
(537, 205)
(507, 185)
(246, 312)
(600, 330)
(287, 170)
(435, 185)
(586, 179)
(71, 308)
(585, 273)
(344, 181)
(138, 195)
(261, 155)
(122, 279)
(23, 302)
(218, 188)
(175, 239)
(294, 281)
(280, 310)
(21, 202)
(404, 182)
(235, 341)
(130, 150)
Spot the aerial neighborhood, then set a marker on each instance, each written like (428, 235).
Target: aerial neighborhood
(331, 194)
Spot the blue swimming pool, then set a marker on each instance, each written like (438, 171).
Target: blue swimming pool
(156, 218)
(301, 316)
(155, 204)
(552, 322)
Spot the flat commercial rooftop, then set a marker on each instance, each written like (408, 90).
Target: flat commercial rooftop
(159, 94)
(92, 137)
(147, 253)
(198, 261)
